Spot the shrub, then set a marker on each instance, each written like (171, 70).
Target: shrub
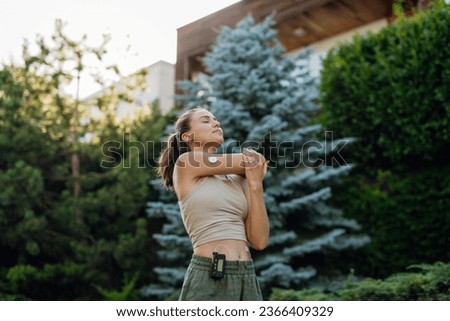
(406, 217)
(429, 282)
(390, 90)
(69, 281)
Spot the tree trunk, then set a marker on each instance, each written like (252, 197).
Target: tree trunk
(75, 157)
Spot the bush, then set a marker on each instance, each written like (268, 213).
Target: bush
(406, 217)
(67, 281)
(430, 282)
(390, 90)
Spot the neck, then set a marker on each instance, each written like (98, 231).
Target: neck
(205, 148)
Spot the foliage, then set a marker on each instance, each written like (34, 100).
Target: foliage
(390, 90)
(52, 281)
(127, 293)
(427, 282)
(407, 218)
(264, 100)
(68, 224)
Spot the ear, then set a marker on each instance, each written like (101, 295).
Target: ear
(186, 138)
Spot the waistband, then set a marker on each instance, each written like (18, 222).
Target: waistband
(231, 267)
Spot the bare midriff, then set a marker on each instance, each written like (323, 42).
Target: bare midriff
(234, 250)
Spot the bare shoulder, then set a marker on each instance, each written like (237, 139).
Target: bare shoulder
(192, 159)
(197, 164)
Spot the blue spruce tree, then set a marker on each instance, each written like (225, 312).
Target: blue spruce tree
(264, 100)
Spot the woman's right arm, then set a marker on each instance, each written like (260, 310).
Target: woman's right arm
(198, 164)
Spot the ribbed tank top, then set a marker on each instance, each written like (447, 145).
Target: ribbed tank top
(214, 210)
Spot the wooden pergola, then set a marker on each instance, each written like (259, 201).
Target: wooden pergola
(299, 23)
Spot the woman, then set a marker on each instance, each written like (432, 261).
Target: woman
(222, 206)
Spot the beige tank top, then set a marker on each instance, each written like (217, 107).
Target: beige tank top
(215, 210)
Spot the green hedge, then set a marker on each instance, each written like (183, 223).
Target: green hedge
(391, 90)
(406, 216)
(429, 282)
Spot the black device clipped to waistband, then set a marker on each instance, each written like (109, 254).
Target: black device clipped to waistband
(218, 266)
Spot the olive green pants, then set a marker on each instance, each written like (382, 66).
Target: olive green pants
(239, 283)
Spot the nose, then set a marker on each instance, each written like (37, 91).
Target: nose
(216, 123)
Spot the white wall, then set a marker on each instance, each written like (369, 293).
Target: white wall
(320, 48)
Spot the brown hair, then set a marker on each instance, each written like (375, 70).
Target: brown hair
(175, 147)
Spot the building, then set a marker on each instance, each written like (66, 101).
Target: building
(300, 23)
(160, 86)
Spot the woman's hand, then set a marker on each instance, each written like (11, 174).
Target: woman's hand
(255, 167)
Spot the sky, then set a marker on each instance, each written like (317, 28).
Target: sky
(142, 31)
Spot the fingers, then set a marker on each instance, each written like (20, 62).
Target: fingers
(254, 162)
(254, 157)
(248, 161)
(251, 161)
(255, 165)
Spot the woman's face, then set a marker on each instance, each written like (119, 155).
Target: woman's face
(205, 130)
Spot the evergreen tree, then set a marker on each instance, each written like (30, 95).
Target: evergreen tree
(174, 247)
(71, 228)
(265, 100)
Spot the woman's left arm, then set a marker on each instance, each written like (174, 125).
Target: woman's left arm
(257, 221)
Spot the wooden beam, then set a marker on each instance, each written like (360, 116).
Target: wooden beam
(367, 11)
(297, 7)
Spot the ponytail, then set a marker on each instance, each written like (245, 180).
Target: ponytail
(175, 147)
